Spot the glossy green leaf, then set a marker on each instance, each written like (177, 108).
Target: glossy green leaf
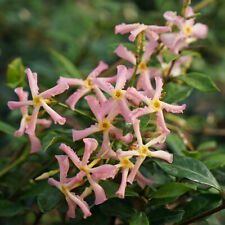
(191, 53)
(139, 218)
(173, 189)
(168, 56)
(49, 198)
(15, 74)
(215, 161)
(207, 145)
(9, 208)
(176, 144)
(67, 65)
(176, 92)
(190, 168)
(199, 81)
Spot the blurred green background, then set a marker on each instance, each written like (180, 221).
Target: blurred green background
(83, 32)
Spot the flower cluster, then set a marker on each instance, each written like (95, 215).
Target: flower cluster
(123, 98)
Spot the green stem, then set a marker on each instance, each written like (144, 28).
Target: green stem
(202, 4)
(22, 158)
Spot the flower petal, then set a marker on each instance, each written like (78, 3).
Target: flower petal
(35, 143)
(163, 155)
(32, 79)
(122, 188)
(101, 67)
(123, 53)
(90, 145)
(63, 167)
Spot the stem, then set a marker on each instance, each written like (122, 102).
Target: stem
(203, 215)
(167, 76)
(22, 158)
(202, 4)
(75, 110)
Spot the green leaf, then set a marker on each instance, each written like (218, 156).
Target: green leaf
(173, 189)
(176, 144)
(191, 169)
(111, 188)
(206, 145)
(168, 56)
(161, 215)
(67, 65)
(9, 208)
(176, 92)
(199, 81)
(144, 120)
(215, 161)
(191, 53)
(139, 218)
(6, 128)
(49, 198)
(15, 74)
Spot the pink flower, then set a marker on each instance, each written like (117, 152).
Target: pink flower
(142, 151)
(35, 143)
(134, 29)
(144, 81)
(86, 85)
(118, 101)
(155, 105)
(188, 30)
(65, 185)
(39, 100)
(93, 174)
(104, 125)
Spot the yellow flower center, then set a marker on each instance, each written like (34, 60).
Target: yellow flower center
(156, 104)
(125, 162)
(143, 152)
(27, 119)
(142, 66)
(117, 94)
(104, 125)
(88, 83)
(64, 190)
(188, 30)
(82, 168)
(37, 100)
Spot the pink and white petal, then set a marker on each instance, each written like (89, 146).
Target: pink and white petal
(103, 172)
(54, 115)
(22, 95)
(14, 105)
(163, 155)
(135, 169)
(58, 89)
(122, 188)
(150, 49)
(32, 79)
(81, 203)
(151, 35)
(35, 143)
(170, 39)
(124, 109)
(136, 126)
(179, 45)
(71, 182)
(138, 95)
(101, 97)
(101, 67)
(121, 77)
(141, 112)
(171, 17)
(98, 190)
(158, 140)
(136, 31)
(125, 28)
(105, 86)
(20, 132)
(159, 29)
(71, 208)
(124, 53)
(94, 105)
(189, 12)
(118, 134)
(145, 83)
(71, 81)
(161, 125)
(32, 124)
(71, 154)
(173, 108)
(44, 122)
(113, 113)
(80, 134)
(128, 154)
(55, 183)
(64, 165)
(75, 97)
(199, 30)
(106, 107)
(159, 87)
(143, 181)
(90, 145)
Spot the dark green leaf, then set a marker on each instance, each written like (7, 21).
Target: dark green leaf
(48, 199)
(15, 74)
(176, 93)
(165, 216)
(206, 145)
(191, 53)
(215, 161)
(173, 189)
(144, 120)
(139, 218)
(9, 208)
(176, 144)
(6, 128)
(168, 56)
(68, 66)
(191, 169)
(199, 81)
